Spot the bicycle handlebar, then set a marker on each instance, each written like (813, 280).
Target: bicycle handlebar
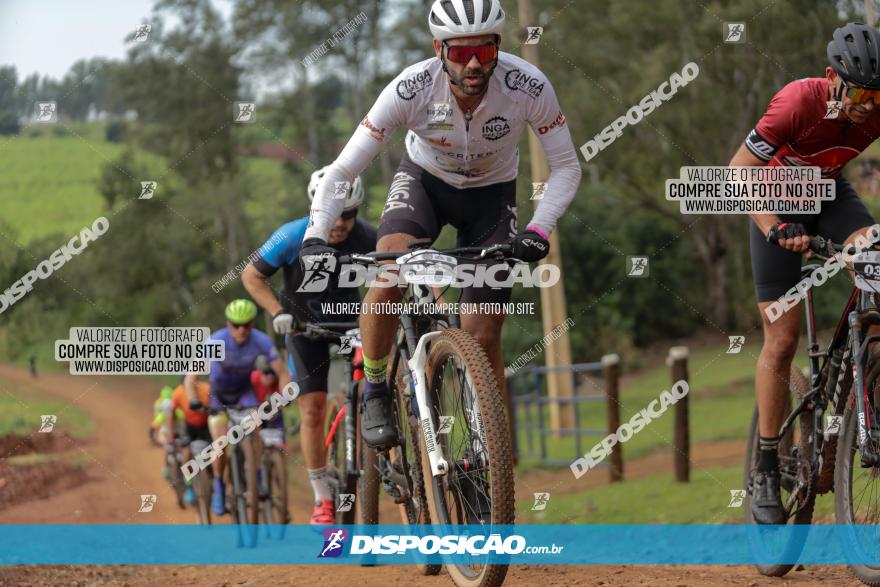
(824, 248)
(504, 251)
(328, 331)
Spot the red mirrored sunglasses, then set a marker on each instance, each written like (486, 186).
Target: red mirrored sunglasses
(462, 54)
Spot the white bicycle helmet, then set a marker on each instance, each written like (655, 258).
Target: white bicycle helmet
(465, 18)
(353, 199)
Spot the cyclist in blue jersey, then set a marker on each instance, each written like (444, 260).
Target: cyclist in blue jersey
(230, 379)
(310, 359)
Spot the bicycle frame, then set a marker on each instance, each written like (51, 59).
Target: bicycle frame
(854, 316)
(417, 347)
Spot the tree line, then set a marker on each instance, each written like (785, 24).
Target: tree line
(159, 258)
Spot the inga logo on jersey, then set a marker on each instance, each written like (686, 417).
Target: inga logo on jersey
(495, 128)
(409, 87)
(517, 80)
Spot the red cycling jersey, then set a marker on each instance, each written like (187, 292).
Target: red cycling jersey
(261, 390)
(795, 132)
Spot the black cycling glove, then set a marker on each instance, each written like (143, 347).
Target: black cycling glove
(530, 246)
(316, 251)
(785, 230)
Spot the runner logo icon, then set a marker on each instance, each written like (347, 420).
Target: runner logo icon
(318, 269)
(346, 502)
(534, 35)
(736, 498)
(333, 542)
(147, 503)
(47, 423)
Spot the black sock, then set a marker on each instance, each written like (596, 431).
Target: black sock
(768, 460)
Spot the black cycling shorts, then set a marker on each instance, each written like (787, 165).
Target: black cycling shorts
(200, 433)
(421, 204)
(776, 270)
(310, 363)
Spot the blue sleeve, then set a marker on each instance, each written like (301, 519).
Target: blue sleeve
(282, 248)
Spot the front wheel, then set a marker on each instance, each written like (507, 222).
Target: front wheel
(342, 485)
(473, 437)
(857, 489)
(274, 503)
(798, 484)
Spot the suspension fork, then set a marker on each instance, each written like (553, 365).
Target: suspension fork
(417, 364)
(351, 415)
(860, 348)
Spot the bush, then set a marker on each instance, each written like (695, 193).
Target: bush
(116, 131)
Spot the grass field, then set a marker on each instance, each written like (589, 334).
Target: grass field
(49, 184)
(657, 499)
(721, 401)
(20, 413)
(49, 181)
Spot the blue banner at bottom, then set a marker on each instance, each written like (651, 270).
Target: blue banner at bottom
(399, 544)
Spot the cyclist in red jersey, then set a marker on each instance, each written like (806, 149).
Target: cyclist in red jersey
(822, 122)
(264, 382)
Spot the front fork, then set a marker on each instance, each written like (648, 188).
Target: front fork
(866, 426)
(417, 365)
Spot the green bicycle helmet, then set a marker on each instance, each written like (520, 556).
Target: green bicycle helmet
(241, 311)
(166, 393)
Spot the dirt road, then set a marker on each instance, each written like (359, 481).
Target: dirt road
(122, 466)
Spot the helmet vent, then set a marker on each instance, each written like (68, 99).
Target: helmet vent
(469, 11)
(449, 9)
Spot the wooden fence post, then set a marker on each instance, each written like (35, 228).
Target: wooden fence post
(611, 376)
(677, 360)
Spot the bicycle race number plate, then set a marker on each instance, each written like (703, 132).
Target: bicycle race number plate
(867, 269)
(427, 267)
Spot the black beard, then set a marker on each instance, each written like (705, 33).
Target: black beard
(473, 90)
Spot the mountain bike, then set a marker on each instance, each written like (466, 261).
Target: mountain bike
(352, 467)
(242, 493)
(356, 471)
(443, 382)
(203, 484)
(274, 510)
(173, 462)
(814, 456)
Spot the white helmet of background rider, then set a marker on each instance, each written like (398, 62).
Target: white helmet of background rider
(465, 18)
(353, 199)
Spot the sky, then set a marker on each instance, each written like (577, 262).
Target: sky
(48, 36)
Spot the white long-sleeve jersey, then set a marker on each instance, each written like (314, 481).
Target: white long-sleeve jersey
(462, 153)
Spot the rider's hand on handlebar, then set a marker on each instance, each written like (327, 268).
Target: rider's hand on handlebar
(529, 246)
(316, 256)
(282, 323)
(791, 236)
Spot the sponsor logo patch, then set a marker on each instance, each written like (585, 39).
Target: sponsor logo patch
(440, 116)
(496, 128)
(376, 133)
(517, 80)
(409, 87)
(560, 121)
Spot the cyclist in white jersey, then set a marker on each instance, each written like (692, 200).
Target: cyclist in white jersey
(465, 110)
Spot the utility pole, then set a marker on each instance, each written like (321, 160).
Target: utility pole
(869, 12)
(560, 382)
